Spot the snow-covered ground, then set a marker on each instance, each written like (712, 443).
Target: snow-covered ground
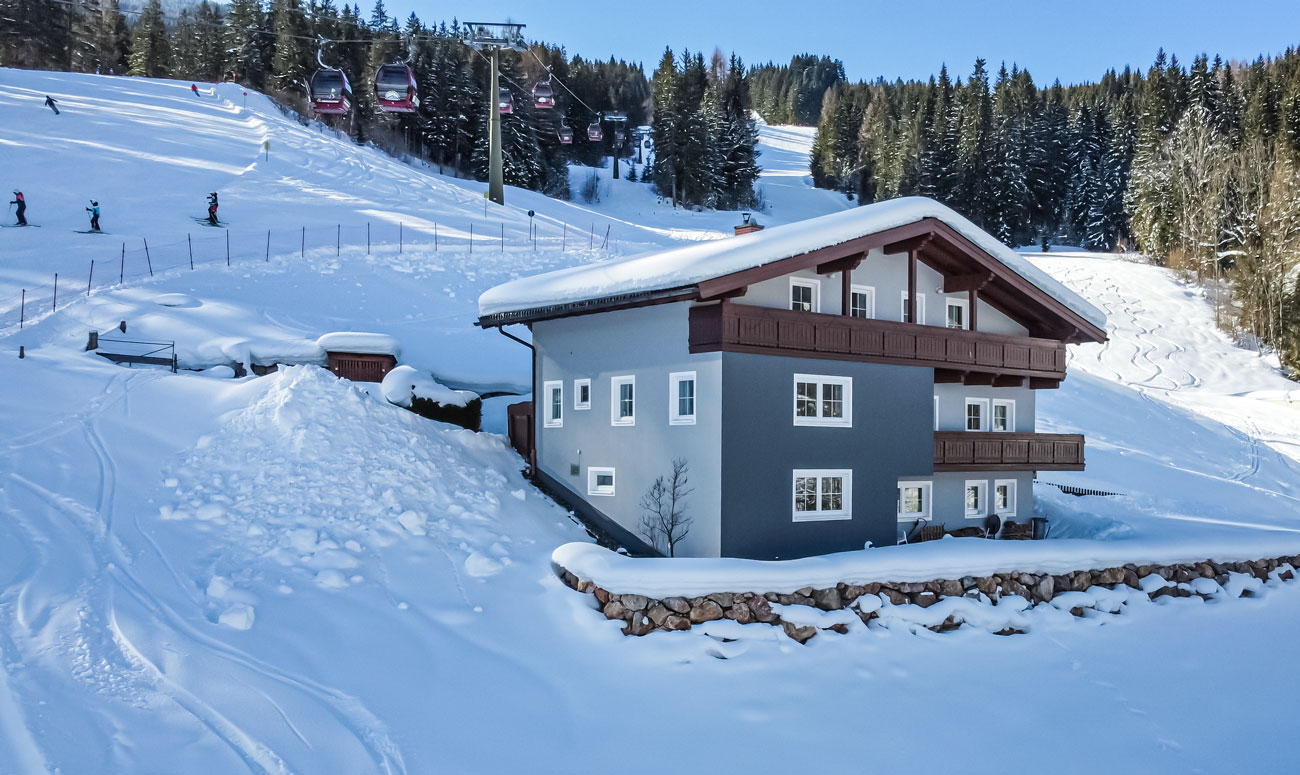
(287, 574)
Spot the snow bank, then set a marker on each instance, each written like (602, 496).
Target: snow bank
(715, 258)
(359, 342)
(947, 559)
(404, 382)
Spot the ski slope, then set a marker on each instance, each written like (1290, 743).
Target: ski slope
(283, 574)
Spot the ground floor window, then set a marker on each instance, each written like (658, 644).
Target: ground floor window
(681, 398)
(976, 499)
(1004, 497)
(913, 500)
(822, 494)
(600, 481)
(554, 392)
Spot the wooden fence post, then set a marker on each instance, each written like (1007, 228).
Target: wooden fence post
(90, 280)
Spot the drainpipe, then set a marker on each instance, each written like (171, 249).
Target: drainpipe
(532, 386)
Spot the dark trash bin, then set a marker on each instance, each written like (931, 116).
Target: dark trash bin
(1039, 528)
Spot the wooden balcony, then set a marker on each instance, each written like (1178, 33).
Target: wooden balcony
(976, 451)
(973, 357)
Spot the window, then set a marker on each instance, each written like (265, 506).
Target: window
(977, 414)
(862, 301)
(821, 400)
(600, 481)
(805, 295)
(976, 499)
(1004, 415)
(681, 398)
(958, 313)
(554, 392)
(582, 394)
(920, 308)
(822, 494)
(1004, 497)
(622, 401)
(913, 500)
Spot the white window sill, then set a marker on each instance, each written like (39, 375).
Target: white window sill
(821, 516)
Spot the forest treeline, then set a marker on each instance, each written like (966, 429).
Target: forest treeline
(1197, 167)
(275, 47)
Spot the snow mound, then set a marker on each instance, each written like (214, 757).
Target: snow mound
(365, 475)
(405, 382)
(359, 342)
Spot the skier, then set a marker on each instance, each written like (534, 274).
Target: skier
(194, 87)
(49, 103)
(94, 215)
(212, 208)
(22, 207)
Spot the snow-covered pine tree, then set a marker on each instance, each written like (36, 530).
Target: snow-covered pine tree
(150, 45)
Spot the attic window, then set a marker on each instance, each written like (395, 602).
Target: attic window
(805, 295)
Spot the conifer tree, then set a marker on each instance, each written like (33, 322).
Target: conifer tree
(150, 47)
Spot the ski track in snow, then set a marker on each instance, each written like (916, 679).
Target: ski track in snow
(392, 605)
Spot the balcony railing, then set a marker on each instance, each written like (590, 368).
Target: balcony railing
(731, 327)
(977, 451)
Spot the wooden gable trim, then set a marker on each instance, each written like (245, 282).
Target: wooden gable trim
(942, 248)
(710, 289)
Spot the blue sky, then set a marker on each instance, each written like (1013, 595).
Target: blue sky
(1071, 41)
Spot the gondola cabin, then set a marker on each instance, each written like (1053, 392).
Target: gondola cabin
(505, 101)
(395, 89)
(543, 95)
(594, 132)
(566, 135)
(330, 92)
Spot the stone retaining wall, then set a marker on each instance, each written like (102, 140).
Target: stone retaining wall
(643, 615)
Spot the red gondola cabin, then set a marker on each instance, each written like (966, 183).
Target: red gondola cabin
(330, 92)
(395, 89)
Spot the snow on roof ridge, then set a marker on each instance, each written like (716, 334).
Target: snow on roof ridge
(690, 264)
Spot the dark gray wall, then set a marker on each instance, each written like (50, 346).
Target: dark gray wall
(891, 438)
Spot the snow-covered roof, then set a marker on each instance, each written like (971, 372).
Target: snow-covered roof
(359, 342)
(698, 262)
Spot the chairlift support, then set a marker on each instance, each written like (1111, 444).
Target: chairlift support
(492, 37)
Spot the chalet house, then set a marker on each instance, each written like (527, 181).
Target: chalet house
(847, 379)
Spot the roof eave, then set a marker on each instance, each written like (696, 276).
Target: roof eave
(588, 306)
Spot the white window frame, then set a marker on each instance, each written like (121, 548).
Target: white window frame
(547, 420)
(964, 305)
(1010, 510)
(616, 400)
(936, 413)
(578, 385)
(927, 499)
(920, 308)
(821, 381)
(982, 510)
(805, 282)
(674, 380)
(868, 291)
(1010, 405)
(983, 404)
(595, 489)
(845, 511)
